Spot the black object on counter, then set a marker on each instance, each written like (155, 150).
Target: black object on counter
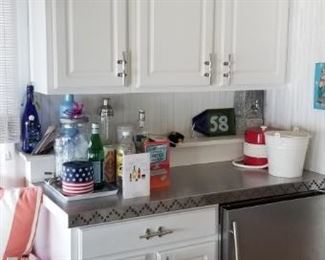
(175, 138)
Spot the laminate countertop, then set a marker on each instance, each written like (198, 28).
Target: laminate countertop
(191, 186)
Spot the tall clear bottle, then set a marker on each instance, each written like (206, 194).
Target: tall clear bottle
(96, 156)
(30, 126)
(106, 113)
(125, 147)
(141, 134)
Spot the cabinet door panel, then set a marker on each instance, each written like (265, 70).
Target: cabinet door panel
(174, 40)
(205, 251)
(257, 41)
(90, 38)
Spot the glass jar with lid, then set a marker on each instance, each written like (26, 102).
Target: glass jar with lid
(72, 142)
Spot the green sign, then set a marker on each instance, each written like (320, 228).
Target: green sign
(215, 122)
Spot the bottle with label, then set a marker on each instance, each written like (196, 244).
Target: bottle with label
(30, 126)
(96, 155)
(142, 134)
(32, 135)
(106, 113)
(125, 147)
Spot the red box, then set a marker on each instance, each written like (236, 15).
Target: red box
(159, 163)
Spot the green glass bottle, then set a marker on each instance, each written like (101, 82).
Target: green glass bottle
(96, 156)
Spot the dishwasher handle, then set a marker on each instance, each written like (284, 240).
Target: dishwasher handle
(234, 232)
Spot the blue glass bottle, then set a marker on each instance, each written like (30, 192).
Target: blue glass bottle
(30, 126)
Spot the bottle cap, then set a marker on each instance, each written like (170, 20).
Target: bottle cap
(106, 101)
(142, 114)
(95, 126)
(30, 87)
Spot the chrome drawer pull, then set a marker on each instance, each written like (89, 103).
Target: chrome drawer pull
(235, 234)
(149, 234)
(163, 232)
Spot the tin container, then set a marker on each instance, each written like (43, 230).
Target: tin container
(110, 163)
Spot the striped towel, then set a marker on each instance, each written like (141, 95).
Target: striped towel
(19, 210)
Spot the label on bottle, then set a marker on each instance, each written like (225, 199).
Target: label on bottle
(98, 171)
(109, 164)
(119, 163)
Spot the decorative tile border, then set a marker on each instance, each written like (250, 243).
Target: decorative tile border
(107, 215)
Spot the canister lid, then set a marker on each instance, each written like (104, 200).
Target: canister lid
(255, 135)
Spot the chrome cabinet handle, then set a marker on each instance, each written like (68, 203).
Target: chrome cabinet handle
(159, 233)
(124, 67)
(163, 232)
(228, 71)
(149, 234)
(235, 234)
(208, 65)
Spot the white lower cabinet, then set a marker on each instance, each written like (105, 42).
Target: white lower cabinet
(181, 235)
(206, 251)
(152, 237)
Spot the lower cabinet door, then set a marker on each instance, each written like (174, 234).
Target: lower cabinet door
(142, 257)
(206, 251)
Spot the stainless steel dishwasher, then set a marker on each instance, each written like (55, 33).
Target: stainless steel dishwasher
(288, 227)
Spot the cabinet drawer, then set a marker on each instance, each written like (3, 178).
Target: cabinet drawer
(109, 239)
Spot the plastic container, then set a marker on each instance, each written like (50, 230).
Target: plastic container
(286, 152)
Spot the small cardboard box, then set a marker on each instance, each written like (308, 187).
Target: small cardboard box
(159, 163)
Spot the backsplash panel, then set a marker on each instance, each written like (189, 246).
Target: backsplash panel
(164, 112)
(249, 109)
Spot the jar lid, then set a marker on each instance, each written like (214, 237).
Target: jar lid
(255, 135)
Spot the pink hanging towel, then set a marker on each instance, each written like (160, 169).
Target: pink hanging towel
(19, 210)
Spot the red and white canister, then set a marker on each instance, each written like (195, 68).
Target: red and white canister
(254, 147)
(255, 155)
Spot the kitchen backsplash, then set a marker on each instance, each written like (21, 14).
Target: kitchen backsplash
(164, 112)
(249, 109)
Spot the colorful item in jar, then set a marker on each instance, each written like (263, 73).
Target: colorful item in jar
(70, 108)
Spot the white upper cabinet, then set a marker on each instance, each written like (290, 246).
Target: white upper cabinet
(84, 41)
(256, 34)
(118, 46)
(174, 43)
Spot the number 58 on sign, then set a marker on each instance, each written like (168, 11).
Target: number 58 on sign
(215, 122)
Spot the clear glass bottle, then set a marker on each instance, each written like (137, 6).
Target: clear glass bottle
(141, 134)
(106, 113)
(96, 156)
(125, 147)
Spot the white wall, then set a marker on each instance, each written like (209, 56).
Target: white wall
(294, 106)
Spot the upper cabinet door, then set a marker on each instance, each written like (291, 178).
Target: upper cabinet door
(256, 34)
(174, 43)
(89, 37)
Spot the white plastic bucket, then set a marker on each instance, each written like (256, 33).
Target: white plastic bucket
(286, 151)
